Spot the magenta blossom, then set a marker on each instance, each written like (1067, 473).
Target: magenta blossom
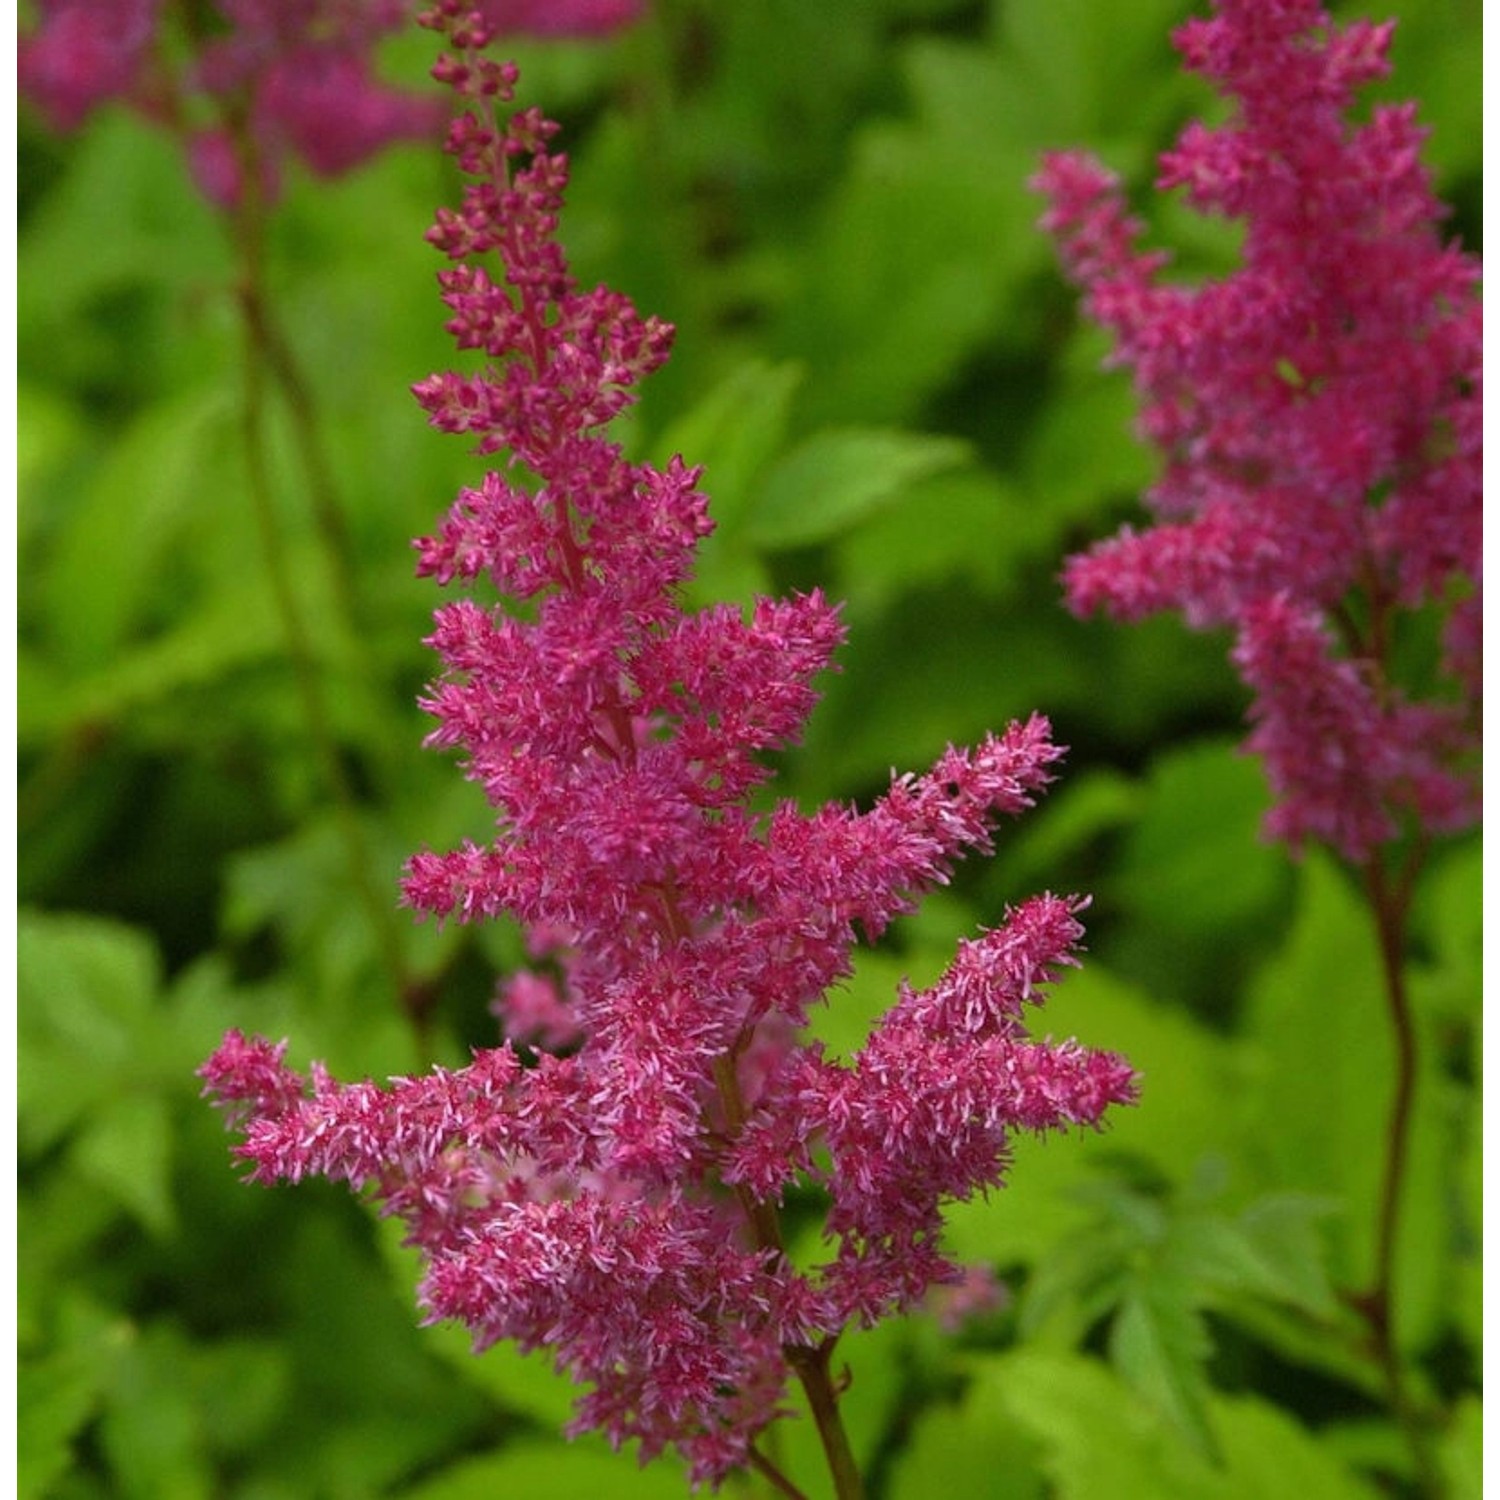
(616, 1201)
(267, 81)
(1318, 416)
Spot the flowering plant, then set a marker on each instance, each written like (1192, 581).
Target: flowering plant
(1318, 415)
(279, 78)
(1318, 412)
(1271, 1269)
(616, 1200)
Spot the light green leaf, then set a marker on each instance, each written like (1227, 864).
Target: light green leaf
(951, 525)
(1318, 1109)
(84, 992)
(1276, 1250)
(1268, 1455)
(151, 1428)
(107, 571)
(1193, 861)
(950, 1445)
(733, 432)
(1158, 1342)
(838, 477)
(125, 1148)
(584, 1470)
(1186, 1076)
(232, 632)
(1097, 1439)
(1461, 1450)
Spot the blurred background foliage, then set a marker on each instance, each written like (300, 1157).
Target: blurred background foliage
(894, 399)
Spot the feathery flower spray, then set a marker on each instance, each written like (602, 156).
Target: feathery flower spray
(616, 1201)
(1319, 414)
(297, 75)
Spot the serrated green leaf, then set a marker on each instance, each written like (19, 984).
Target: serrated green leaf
(1097, 1438)
(733, 432)
(1461, 1450)
(1319, 1109)
(55, 1399)
(581, 1471)
(837, 477)
(106, 570)
(952, 525)
(125, 1148)
(950, 1445)
(84, 992)
(1194, 861)
(1186, 1074)
(1159, 1344)
(1268, 1455)
(1283, 1239)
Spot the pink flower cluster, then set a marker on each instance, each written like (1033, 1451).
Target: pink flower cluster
(1318, 415)
(296, 74)
(616, 1200)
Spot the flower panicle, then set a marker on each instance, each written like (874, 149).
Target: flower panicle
(614, 1200)
(1318, 416)
(294, 78)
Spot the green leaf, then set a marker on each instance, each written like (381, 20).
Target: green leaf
(1081, 453)
(1193, 861)
(1319, 1102)
(837, 477)
(55, 1399)
(1081, 60)
(1319, 1105)
(951, 525)
(84, 992)
(59, 1391)
(151, 1429)
(733, 432)
(1461, 1450)
(116, 309)
(1159, 1343)
(231, 632)
(1268, 1455)
(950, 1445)
(1275, 1250)
(125, 1148)
(1186, 1076)
(584, 1470)
(1095, 1437)
(108, 569)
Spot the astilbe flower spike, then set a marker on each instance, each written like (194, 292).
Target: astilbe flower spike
(616, 1202)
(298, 75)
(1318, 414)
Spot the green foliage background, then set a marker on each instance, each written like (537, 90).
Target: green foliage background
(893, 398)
